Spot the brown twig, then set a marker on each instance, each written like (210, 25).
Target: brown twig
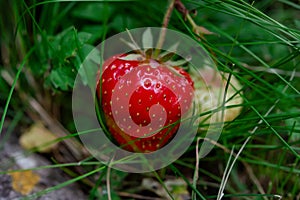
(200, 31)
(196, 172)
(162, 35)
(77, 150)
(181, 8)
(108, 183)
(137, 196)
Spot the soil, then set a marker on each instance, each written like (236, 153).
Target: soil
(13, 157)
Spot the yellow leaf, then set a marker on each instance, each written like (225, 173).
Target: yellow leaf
(24, 181)
(38, 136)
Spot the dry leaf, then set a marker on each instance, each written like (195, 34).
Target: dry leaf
(200, 30)
(24, 181)
(38, 136)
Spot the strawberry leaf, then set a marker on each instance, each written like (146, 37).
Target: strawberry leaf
(149, 53)
(132, 57)
(147, 39)
(166, 56)
(129, 44)
(178, 62)
(169, 53)
(173, 48)
(136, 46)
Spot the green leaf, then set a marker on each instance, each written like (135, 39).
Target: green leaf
(169, 53)
(97, 12)
(84, 37)
(147, 39)
(149, 52)
(69, 49)
(173, 48)
(129, 44)
(90, 65)
(63, 44)
(96, 32)
(178, 62)
(68, 44)
(166, 56)
(132, 57)
(62, 78)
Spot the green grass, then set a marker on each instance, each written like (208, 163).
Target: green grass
(44, 43)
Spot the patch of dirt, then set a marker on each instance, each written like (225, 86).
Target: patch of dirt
(13, 157)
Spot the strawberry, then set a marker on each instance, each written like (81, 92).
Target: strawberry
(143, 101)
(209, 93)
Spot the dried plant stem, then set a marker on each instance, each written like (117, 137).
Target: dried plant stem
(162, 35)
(77, 150)
(198, 30)
(230, 166)
(108, 183)
(196, 172)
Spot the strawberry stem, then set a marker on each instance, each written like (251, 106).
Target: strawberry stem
(162, 35)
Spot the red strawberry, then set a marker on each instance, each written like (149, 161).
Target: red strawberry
(143, 101)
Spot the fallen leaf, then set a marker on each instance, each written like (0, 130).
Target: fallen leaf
(38, 136)
(24, 181)
(200, 30)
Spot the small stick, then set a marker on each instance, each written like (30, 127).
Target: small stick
(198, 30)
(181, 8)
(162, 35)
(77, 150)
(196, 172)
(108, 183)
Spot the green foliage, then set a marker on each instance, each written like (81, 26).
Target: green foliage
(65, 52)
(95, 12)
(258, 42)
